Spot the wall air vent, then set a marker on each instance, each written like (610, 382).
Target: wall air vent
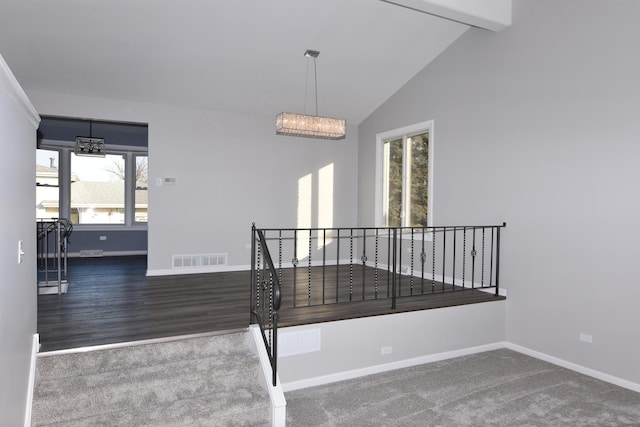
(199, 260)
(91, 253)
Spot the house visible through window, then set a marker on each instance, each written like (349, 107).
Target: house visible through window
(97, 189)
(404, 177)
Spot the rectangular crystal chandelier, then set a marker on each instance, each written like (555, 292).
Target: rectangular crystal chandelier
(295, 124)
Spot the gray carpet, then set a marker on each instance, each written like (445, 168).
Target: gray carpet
(496, 388)
(209, 381)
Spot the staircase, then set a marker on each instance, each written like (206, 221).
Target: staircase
(205, 381)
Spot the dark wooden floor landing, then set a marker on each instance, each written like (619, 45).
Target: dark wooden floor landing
(110, 300)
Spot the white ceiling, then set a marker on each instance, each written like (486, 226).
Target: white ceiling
(233, 55)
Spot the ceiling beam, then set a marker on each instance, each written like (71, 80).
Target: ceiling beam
(494, 15)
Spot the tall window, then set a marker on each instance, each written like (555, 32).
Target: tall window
(404, 176)
(141, 190)
(47, 184)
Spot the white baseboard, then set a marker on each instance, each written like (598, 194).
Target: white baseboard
(35, 347)
(110, 253)
(355, 373)
(197, 270)
(276, 393)
(575, 367)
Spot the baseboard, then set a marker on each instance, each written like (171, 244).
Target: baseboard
(246, 267)
(35, 347)
(376, 369)
(276, 394)
(110, 253)
(197, 270)
(575, 367)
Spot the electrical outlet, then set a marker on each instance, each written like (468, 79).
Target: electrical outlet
(586, 338)
(386, 350)
(103, 237)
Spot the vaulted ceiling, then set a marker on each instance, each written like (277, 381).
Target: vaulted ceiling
(241, 55)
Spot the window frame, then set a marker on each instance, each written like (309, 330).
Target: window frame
(402, 133)
(130, 153)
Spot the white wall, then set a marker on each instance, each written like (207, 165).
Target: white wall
(351, 348)
(18, 304)
(230, 170)
(537, 125)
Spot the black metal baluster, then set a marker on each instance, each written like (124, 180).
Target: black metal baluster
(444, 255)
(309, 269)
(411, 263)
(473, 260)
(399, 253)
(493, 229)
(324, 260)
(364, 259)
(482, 276)
(375, 268)
(464, 254)
(294, 261)
(351, 265)
(337, 264)
(258, 282)
(393, 273)
(389, 260)
(453, 266)
(280, 256)
(433, 259)
(423, 258)
(498, 259)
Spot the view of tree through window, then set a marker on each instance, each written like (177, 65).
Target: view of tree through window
(406, 181)
(141, 190)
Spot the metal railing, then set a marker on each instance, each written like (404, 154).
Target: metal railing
(321, 266)
(53, 241)
(265, 297)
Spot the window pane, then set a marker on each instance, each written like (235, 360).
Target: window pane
(97, 189)
(47, 187)
(393, 183)
(419, 180)
(142, 178)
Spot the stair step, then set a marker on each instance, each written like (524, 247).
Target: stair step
(171, 383)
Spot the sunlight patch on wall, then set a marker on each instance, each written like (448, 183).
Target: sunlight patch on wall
(325, 202)
(304, 214)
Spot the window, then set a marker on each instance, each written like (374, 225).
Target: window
(92, 190)
(47, 184)
(404, 177)
(141, 190)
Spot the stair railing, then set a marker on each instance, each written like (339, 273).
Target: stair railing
(350, 265)
(53, 243)
(265, 297)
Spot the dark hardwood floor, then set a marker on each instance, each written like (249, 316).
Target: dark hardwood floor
(110, 300)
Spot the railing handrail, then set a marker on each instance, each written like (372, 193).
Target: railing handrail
(429, 227)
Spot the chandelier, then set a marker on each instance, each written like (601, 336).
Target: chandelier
(296, 124)
(90, 145)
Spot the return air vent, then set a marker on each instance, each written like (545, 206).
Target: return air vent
(199, 260)
(88, 253)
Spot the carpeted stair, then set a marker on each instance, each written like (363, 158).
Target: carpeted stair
(208, 381)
